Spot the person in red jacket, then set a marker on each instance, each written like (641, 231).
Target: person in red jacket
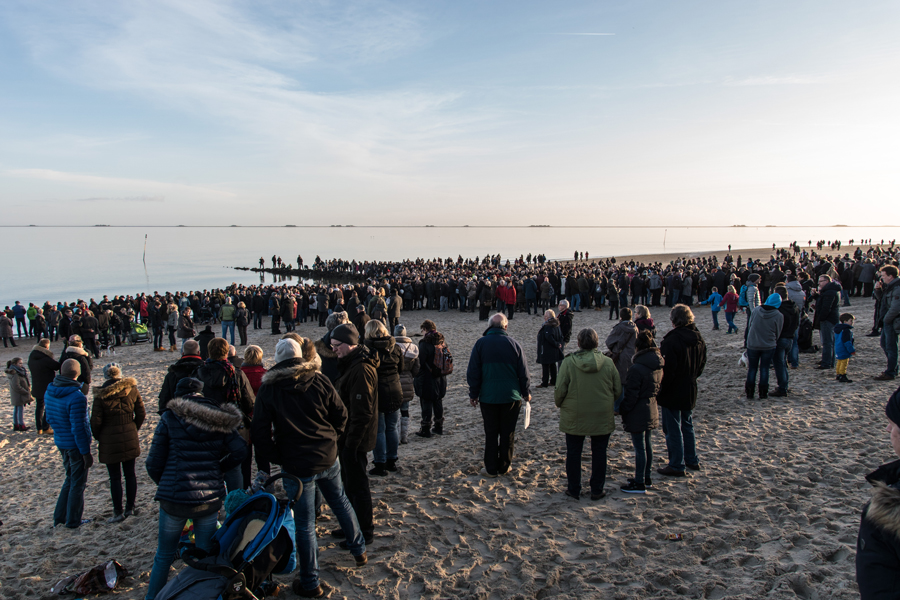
(252, 367)
(730, 302)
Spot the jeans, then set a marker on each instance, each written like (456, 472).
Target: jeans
(234, 479)
(115, 471)
(356, 484)
(715, 316)
(445, 304)
(19, 416)
(577, 302)
(680, 441)
(157, 337)
(643, 455)
(845, 298)
(826, 334)
(226, 327)
(388, 436)
(782, 350)
(759, 360)
(257, 320)
(500, 434)
(529, 304)
(795, 350)
(889, 345)
(328, 482)
(729, 317)
(70, 504)
(574, 445)
(170, 529)
(171, 336)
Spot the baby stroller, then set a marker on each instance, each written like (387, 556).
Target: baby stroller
(139, 333)
(206, 315)
(255, 541)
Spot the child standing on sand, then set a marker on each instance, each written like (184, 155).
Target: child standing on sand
(714, 301)
(843, 346)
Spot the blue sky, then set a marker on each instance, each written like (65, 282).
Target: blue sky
(449, 112)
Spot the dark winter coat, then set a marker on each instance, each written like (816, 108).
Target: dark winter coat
(204, 338)
(642, 383)
(828, 304)
(791, 313)
(358, 388)
(217, 382)
(86, 362)
(43, 369)
(621, 344)
(497, 373)
(185, 367)
(307, 415)
(19, 387)
(565, 324)
(390, 392)
(684, 351)
(195, 443)
(116, 417)
(429, 383)
(878, 543)
(186, 327)
(67, 414)
(6, 326)
(550, 343)
(329, 358)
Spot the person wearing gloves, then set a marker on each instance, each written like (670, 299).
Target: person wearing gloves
(195, 443)
(116, 417)
(878, 543)
(762, 339)
(67, 414)
(19, 391)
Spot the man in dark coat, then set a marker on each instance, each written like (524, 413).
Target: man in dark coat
(549, 349)
(185, 367)
(75, 351)
(684, 352)
(358, 388)
(825, 318)
(430, 384)
(43, 369)
(203, 339)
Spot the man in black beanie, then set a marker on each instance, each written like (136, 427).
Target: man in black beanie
(358, 388)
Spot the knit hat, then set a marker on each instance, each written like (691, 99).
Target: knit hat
(287, 349)
(346, 333)
(112, 371)
(188, 385)
(754, 277)
(773, 300)
(892, 409)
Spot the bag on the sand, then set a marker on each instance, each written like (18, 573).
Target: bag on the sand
(99, 580)
(255, 541)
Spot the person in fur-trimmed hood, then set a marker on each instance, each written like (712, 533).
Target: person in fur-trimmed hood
(323, 346)
(116, 417)
(194, 445)
(297, 421)
(878, 543)
(76, 352)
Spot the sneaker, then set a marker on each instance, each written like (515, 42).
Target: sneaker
(667, 470)
(885, 377)
(298, 589)
(634, 488)
(485, 473)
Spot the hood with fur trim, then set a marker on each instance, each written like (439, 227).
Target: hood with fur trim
(42, 350)
(75, 350)
(205, 415)
(292, 371)
(114, 387)
(884, 510)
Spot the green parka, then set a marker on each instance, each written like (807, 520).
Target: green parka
(586, 388)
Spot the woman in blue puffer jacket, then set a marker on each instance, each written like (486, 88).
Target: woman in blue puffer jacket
(195, 443)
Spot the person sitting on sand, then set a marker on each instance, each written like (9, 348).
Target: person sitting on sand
(116, 417)
(878, 542)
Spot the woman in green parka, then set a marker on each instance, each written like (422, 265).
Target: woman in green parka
(586, 388)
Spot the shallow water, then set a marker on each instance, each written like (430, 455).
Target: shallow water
(65, 263)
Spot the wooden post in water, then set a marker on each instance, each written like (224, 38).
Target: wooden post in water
(145, 249)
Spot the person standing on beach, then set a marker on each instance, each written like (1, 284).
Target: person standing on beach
(75, 352)
(6, 330)
(67, 412)
(889, 319)
(826, 317)
(186, 366)
(430, 383)
(684, 352)
(498, 382)
(43, 369)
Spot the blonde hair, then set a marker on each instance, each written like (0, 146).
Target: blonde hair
(253, 355)
(641, 312)
(376, 329)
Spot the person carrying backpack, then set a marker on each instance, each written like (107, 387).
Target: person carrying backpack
(435, 363)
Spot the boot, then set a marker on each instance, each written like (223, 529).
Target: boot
(391, 465)
(438, 427)
(844, 379)
(749, 388)
(404, 430)
(379, 470)
(172, 349)
(425, 431)
(763, 392)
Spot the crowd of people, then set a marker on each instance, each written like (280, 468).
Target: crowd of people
(327, 403)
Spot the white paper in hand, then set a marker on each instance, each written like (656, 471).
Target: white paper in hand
(527, 414)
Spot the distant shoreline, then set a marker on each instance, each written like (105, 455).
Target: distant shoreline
(104, 226)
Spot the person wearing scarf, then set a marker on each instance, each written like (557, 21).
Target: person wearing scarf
(19, 392)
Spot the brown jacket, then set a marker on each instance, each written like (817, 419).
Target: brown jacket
(117, 415)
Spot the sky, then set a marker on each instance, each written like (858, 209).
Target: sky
(449, 112)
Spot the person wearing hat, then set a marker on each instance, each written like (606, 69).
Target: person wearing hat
(203, 339)
(195, 443)
(297, 420)
(186, 366)
(116, 417)
(358, 388)
(75, 351)
(878, 542)
(67, 413)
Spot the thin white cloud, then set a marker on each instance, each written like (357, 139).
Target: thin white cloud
(96, 181)
(566, 33)
(772, 80)
(125, 199)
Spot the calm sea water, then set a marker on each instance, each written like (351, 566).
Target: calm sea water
(65, 263)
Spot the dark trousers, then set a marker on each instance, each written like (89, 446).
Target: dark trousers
(548, 374)
(10, 341)
(242, 331)
(157, 337)
(323, 314)
(20, 326)
(574, 446)
(115, 484)
(657, 294)
(257, 320)
(172, 336)
(432, 406)
(483, 311)
(70, 504)
(90, 344)
(500, 434)
(643, 455)
(40, 416)
(356, 485)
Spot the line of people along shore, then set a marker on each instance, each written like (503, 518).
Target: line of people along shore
(372, 376)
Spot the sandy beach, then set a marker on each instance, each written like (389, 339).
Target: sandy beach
(773, 513)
